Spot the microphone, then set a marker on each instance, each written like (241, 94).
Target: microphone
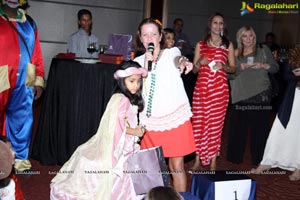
(151, 49)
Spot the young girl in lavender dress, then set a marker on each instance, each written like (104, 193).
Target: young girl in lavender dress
(95, 170)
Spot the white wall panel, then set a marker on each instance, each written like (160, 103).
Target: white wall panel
(195, 14)
(56, 20)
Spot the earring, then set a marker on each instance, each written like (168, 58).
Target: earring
(222, 33)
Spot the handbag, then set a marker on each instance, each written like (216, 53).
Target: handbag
(120, 44)
(145, 169)
(262, 98)
(163, 165)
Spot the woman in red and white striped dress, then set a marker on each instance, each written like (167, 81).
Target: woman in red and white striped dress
(211, 95)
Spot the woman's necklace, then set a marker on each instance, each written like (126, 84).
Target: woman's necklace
(152, 87)
(213, 44)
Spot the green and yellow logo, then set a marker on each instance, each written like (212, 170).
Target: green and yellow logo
(246, 8)
(272, 8)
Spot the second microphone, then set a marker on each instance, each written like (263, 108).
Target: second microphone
(151, 49)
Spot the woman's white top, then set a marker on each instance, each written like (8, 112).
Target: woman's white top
(170, 104)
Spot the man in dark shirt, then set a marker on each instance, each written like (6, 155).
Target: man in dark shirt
(182, 40)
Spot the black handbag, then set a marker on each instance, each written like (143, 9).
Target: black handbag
(262, 98)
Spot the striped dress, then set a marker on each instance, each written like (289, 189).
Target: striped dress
(210, 101)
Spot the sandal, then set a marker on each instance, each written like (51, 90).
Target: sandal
(295, 175)
(196, 169)
(260, 169)
(294, 178)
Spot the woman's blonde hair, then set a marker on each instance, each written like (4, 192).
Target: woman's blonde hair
(239, 36)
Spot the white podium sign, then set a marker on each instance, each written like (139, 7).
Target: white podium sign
(233, 190)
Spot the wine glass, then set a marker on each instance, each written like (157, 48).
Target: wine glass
(101, 49)
(92, 48)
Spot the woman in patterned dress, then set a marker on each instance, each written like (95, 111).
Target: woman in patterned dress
(211, 96)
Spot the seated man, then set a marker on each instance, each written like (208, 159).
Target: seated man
(83, 38)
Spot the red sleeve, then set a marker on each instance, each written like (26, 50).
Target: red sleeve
(18, 194)
(37, 57)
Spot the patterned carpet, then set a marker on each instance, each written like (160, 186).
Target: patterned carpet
(272, 186)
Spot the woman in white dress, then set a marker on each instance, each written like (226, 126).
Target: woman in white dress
(282, 148)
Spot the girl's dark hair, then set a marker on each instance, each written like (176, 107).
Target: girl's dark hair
(165, 193)
(139, 47)
(135, 99)
(207, 34)
(168, 30)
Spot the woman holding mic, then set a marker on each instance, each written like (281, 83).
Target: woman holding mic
(167, 110)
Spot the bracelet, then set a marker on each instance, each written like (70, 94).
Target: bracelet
(142, 131)
(267, 67)
(227, 68)
(196, 66)
(183, 58)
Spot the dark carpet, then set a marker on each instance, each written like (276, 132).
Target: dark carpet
(271, 186)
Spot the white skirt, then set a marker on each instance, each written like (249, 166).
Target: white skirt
(283, 145)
